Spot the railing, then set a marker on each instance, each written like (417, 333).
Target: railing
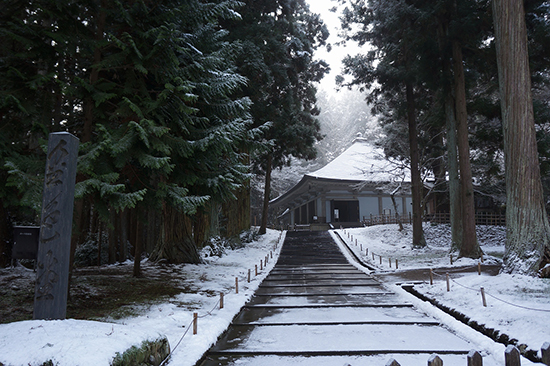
(482, 218)
(386, 219)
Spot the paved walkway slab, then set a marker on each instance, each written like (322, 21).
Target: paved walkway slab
(315, 308)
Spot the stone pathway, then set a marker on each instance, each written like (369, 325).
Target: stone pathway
(315, 308)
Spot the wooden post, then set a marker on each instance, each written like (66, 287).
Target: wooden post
(271, 254)
(474, 358)
(236, 285)
(248, 278)
(372, 255)
(448, 282)
(511, 356)
(380, 259)
(435, 360)
(431, 277)
(221, 300)
(356, 241)
(361, 247)
(367, 252)
(451, 259)
(545, 350)
(479, 268)
(483, 297)
(195, 321)
(392, 362)
(389, 261)
(396, 264)
(261, 265)
(256, 269)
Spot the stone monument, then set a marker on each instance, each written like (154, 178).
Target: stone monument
(52, 275)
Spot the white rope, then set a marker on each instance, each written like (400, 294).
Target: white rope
(497, 298)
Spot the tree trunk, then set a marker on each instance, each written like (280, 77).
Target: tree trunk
(99, 244)
(243, 200)
(267, 193)
(469, 246)
(201, 225)
(137, 248)
(94, 74)
(397, 215)
(455, 204)
(416, 180)
(123, 234)
(4, 236)
(112, 237)
(214, 220)
(175, 242)
(151, 230)
(527, 226)
(132, 223)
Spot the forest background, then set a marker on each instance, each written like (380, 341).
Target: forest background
(182, 107)
(173, 103)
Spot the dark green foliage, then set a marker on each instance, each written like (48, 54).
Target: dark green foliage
(277, 41)
(149, 87)
(150, 353)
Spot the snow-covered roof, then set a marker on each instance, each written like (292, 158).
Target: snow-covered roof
(365, 162)
(361, 162)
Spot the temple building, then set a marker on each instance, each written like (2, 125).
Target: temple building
(356, 186)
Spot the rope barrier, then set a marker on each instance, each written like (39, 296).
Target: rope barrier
(517, 306)
(177, 344)
(495, 297)
(458, 270)
(242, 278)
(375, 254)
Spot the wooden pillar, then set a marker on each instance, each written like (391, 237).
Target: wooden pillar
(512, 356)
(474, 358)
(545, 350)
(435, 360)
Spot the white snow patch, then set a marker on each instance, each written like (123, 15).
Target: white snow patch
(79, 342)
(72, 342)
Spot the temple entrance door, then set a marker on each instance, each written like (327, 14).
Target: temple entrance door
(347, 211)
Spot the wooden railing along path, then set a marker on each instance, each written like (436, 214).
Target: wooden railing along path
(482, 218)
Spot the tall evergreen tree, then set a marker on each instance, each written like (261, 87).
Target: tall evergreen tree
(150, 91)
(278, 40)
(421, 37)
(458, 23)
(528, 228)
(390, 72)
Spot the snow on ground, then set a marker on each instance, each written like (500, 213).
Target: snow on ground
(517, 305)
(78, 342)
(387, 241)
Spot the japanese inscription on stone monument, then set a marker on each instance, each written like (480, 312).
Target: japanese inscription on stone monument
(52, 276)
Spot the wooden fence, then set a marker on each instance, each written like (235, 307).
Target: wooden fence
(482, 218)
(386, 219)
(511, 356)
